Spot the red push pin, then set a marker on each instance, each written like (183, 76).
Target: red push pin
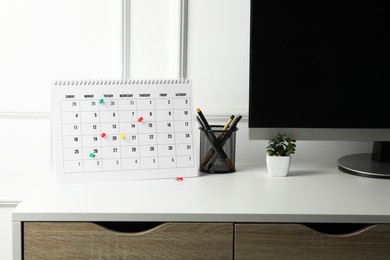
(179, 178)
(140, 119)
(103, 135)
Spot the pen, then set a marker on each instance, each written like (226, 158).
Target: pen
(235, 122)
(215, 144)
(203, 119)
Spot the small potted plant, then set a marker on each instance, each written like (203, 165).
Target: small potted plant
(279, 149)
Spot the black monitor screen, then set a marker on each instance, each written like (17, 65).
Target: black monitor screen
(319, 64)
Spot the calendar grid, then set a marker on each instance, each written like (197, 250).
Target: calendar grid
(174, 130)
(120, 147)
(118, 125)
(100, 130)
(124, 130)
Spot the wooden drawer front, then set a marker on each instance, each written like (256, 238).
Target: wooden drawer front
(84, 240)
(295, 241)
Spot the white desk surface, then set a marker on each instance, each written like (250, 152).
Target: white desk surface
(312, 193)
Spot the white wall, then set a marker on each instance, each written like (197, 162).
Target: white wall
(46, 40)
(218, 55)
(43, 41)
(154, 39)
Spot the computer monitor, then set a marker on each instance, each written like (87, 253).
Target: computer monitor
(320, 70)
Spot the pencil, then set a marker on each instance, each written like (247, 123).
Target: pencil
(228, 122)
(203, 119)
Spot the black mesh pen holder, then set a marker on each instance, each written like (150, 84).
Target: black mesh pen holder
(217, 149)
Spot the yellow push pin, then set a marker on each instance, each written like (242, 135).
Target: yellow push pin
(122, 136)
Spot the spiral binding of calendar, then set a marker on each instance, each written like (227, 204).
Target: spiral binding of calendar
(119, 82)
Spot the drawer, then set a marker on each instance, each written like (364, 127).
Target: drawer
(127, 240)
(297, 241)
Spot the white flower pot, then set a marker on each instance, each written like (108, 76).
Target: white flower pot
(278, 166)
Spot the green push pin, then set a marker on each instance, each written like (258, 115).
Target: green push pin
(92, 155)
(101, 101)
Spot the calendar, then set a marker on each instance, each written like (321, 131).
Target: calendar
(123, 130)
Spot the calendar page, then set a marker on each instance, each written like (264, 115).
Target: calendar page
(123, 130)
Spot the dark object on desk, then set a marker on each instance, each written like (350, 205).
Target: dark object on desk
(211, 151)
(224, 136)
(213, 143)
(211, 162)
(311, 53)
(217, 145)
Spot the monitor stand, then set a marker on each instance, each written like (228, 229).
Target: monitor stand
(374, 165)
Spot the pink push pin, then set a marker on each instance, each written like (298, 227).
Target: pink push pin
(140, 119)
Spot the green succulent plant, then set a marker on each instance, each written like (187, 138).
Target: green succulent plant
(281, 145)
